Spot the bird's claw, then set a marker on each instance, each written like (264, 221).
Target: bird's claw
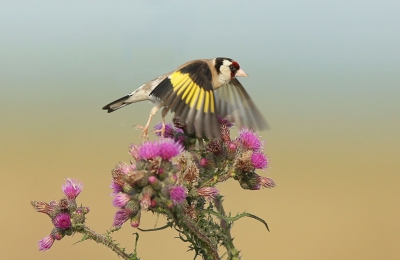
(144, 135)
(162, 131)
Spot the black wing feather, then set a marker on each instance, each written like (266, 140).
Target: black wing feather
(193, 78)
(235, 104)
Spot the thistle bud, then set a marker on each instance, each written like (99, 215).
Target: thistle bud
(165, 165)
(249, 181)
(126, 187)
(78, 217)
(57, 233)
(135, 220)
(155, 183)
(231, 147)
(144, 181)
(203, 162)
(133, 207)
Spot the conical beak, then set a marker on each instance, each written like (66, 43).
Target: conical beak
(241, 73)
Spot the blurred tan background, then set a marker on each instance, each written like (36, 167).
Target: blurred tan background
(326, 76)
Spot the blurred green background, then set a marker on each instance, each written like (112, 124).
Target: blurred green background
(325, 74)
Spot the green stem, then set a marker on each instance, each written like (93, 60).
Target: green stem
(209, 247)
(233, 253)
(101, 239)
(218, 177)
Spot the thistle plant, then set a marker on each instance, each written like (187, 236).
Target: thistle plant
(174, 177)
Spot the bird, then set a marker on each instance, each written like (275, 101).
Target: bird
(198, 92)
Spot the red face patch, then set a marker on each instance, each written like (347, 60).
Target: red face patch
(234, 67)
(235, 64)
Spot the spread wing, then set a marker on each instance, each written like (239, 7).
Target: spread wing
(233, 103)
(188, 92)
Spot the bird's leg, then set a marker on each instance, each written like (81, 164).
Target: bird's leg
(201, 144)
(145, 130)
(162, 130)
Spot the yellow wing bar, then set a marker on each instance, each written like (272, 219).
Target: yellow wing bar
(191, 93)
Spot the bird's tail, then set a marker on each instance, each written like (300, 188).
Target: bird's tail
(117, 104)
(138, 95)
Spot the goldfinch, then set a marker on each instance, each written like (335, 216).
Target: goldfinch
(198, 92)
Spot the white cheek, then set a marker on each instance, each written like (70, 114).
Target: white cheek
(225, 75)
(226, 63)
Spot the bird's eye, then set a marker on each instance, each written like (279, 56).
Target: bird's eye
(231, 67)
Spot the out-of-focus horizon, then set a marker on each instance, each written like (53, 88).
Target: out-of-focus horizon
(325, 75)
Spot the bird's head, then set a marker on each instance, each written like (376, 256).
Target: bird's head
(228, 69)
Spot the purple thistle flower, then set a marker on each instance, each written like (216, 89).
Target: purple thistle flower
(259, 160)
(72, 188)
(266, 182)
(134, 151)
(168, 148)
(45, 243)
(177, 194)
(250, 139)
(148, 151)
(180, 138)
(115, 187)
(169, 130)
(121, 216)
(120, 200)
(208, 192)
(62, 220)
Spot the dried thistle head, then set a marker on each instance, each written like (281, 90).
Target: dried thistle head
(134, 176)
(191, 211)
(243, 162)
(191, 175)
(182, 162)
(215, 146)
(51, 208)
(225, 133)
(63, 204)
